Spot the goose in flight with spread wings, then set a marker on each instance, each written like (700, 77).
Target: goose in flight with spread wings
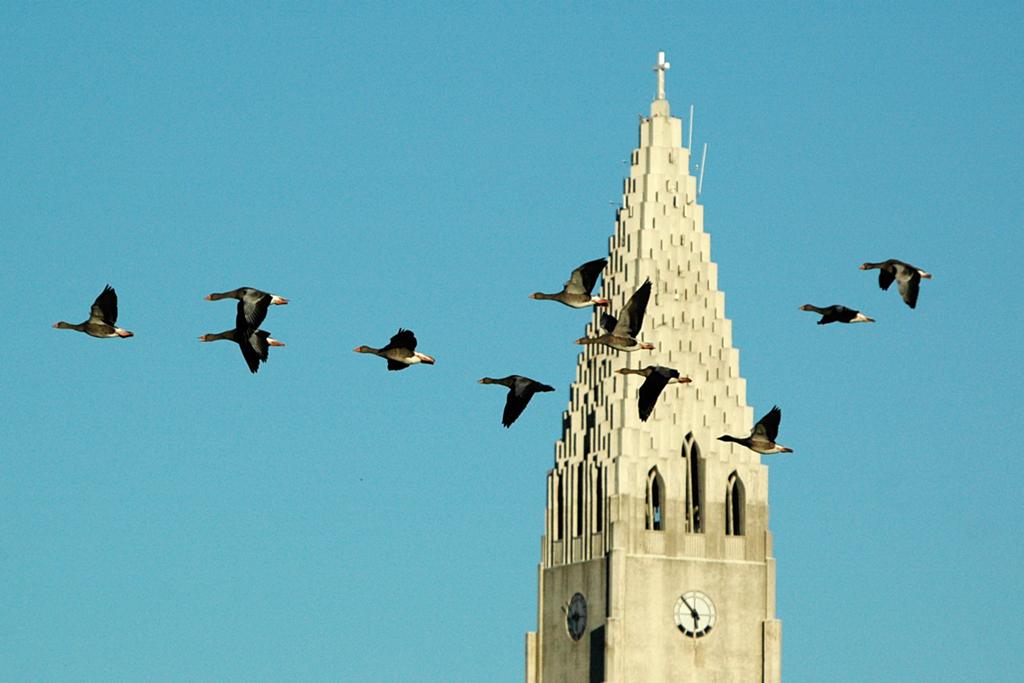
(255, 344)
(908, 278)
(252, 303)
(102, 320)
(520, 391)
(837, 314)
(576, 292)
(658, 377)
(400, 352)
(621, 334)
(762, 436)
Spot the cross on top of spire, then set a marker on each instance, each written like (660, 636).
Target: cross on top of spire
(661, 67)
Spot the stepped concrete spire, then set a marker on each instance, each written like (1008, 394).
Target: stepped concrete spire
(642, 513)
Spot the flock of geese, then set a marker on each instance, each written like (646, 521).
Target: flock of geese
(619, 333)
(907, 276)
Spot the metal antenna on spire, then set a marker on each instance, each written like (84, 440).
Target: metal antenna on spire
(661, 67)
(689, 141)
(703, 160)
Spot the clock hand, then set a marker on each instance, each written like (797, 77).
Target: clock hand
(693, 612)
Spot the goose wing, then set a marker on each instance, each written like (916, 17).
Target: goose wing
(633, 312)
(651, 389)
(253, 306)
(886, 274)
(837, 313)
(608, 322)
(254, 348)
(403, 339)
(768, 426)
(584, 278)
(396, 365)
(104, 309)
(909, 288)
(519, 395)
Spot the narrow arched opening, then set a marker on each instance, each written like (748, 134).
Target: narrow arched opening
(694, 493)
(655, 518)
(580, 507)
(735, 506)
(559, 507)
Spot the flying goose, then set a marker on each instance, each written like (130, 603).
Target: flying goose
(576, 292)
(252, 303)
(102, 318)
(520, 391)
(255, 344)
(837, 314)
(621, 334)
(400, 352)
(908, 278)
(762, 436)
(658, 378)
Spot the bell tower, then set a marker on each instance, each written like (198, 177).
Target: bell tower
(656, 559)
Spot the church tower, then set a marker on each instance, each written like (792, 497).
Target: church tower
(656, 559)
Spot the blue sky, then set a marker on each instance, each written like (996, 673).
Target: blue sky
(164, 515)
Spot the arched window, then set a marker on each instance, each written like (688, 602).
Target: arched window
(694, 486)
(735, 506)
(655, 501)
(559, 506)
(580, 507)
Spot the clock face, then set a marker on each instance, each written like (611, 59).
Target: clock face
(576, 616)
(695, 614)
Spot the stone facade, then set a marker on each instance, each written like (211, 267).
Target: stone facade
(639, 513)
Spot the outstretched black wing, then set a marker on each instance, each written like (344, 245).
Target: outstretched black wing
(608, 322)
(768, 426)
(519, 395)
(254, 348)
(584, 278)
(909, 288)
(404, 339)
(252, 307)
(885, 276)
(633, 312)
(652, 387)
(104, 309)
(837, 314)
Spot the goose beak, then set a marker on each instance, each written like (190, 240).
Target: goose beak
(279, 300)
(208, 297)
(274, 342)
(684, 380)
